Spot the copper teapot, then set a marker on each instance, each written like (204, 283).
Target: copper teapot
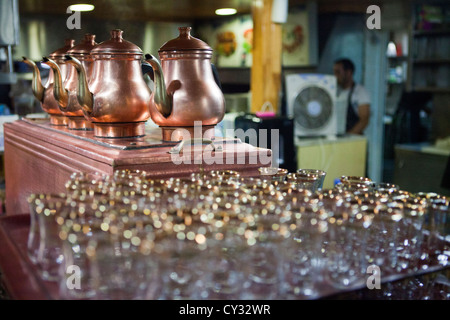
(65, 90)
(116, 98)
(185, 88)
(44, 93)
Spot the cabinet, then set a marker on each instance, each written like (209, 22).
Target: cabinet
(430, 47)
(338, 156)
(420, 167)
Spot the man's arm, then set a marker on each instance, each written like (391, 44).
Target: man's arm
(364, 116)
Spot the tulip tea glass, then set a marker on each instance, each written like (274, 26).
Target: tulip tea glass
(384, 236)
(321, 173)
(303, 260)
(346, 253)
(119, 269)
(262, 256)
(355, 183)
(438, 226)
(223, 270)
(410, 251)
(36, 208)
(385, 187)
(50, 255)
(308, 181)
(181, 263)
(76, 278)
(275, 174)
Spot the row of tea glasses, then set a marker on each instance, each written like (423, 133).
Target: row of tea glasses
(218, 235)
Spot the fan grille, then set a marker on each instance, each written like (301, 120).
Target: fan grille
(313, 107)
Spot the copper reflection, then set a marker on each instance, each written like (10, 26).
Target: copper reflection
(66, 93)
(185, 88)
(44, 93)
(116, 99)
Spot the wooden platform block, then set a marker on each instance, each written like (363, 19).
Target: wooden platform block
(41, 158)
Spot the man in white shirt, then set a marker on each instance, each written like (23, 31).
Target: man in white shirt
(354, 95)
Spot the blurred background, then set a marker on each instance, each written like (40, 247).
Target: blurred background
(405, 66)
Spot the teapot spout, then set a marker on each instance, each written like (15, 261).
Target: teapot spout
(84, 96)
(162, 100)
(60, 93)
(36, 82)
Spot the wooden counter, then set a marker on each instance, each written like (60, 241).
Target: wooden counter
(40, 158)
(18, 274)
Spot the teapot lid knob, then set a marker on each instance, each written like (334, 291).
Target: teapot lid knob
(61, 52)
(185, 32)
(185, 42)
(89, 38)
(85, 47)
(69, 42)
(117, 45)
(116, 34)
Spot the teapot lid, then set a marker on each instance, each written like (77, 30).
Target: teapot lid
(61, 52)
(116, 45)
(85, 46)
(185, 42)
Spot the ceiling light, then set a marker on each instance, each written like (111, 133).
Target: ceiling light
(225, 11)
(81, 7)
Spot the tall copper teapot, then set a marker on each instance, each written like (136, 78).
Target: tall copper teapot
(44, 93)
(185, 88)
(65, 90)
(116, 99)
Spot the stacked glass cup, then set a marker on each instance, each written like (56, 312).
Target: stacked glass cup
(221, 235)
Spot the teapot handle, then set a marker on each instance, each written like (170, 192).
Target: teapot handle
(216, 76)
(147, 69)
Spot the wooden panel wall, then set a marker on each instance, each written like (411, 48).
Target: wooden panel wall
(266, 67)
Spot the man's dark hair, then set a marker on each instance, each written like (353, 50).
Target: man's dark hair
(347, 64)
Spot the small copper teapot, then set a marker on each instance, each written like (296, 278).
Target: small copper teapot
(44, 93)
(116, 99)
(185, 88)
(65, 90)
